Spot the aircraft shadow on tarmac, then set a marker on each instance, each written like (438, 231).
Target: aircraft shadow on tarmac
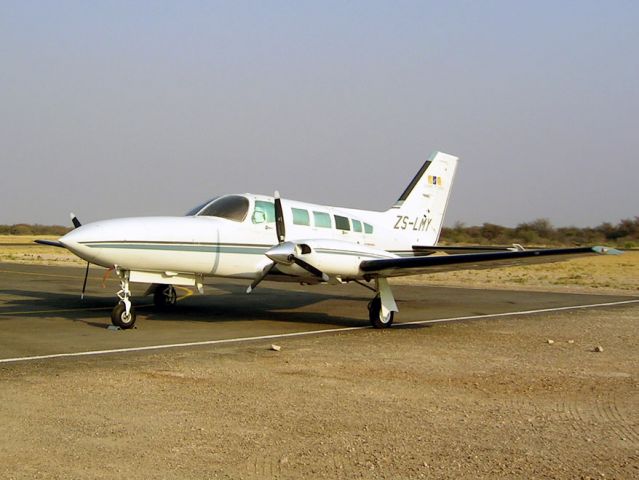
(223, 302)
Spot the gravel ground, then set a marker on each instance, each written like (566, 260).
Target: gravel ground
(484, 399)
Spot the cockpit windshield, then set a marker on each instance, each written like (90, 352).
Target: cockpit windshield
(195, 210)
(231, 207)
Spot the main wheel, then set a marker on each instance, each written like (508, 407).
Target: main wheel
(120, 318)
(164, 296)
(378, 320)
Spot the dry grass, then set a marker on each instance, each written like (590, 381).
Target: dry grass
(594, 274)
(22, 249)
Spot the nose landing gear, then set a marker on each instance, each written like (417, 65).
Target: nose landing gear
(123, 314)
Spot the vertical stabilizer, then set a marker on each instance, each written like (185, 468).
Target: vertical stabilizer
(419, 213)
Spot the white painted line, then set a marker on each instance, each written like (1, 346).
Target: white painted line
(521, 312)
(306, 333)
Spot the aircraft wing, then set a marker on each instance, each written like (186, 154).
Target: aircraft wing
(396, 267)
(50, 243)
(419, 250)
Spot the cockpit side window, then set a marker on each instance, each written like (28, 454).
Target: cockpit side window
(231, 207)
(264, 212)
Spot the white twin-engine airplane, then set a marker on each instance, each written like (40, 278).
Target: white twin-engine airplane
(257, 237)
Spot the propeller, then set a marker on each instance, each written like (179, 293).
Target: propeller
(84, 284)
(283, 252)
(310, 268)
(74, 220)
(267, 269)
(280, 227)
(77, 224)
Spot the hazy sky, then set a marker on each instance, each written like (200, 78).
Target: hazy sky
(114, 109)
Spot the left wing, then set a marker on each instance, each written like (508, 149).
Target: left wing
(50, 243)
(396, 267)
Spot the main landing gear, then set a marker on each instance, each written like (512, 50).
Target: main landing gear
(375, 315)
(382, 308)
(123, 314)
(164, 296)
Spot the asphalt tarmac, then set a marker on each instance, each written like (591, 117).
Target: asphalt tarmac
(41, 312)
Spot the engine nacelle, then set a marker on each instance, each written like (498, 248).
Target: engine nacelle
(337, 258)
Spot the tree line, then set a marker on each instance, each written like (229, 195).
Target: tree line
(26, 229)
(541, 232)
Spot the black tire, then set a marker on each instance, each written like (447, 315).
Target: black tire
(119, 318)
(375, 314)
(164, 296)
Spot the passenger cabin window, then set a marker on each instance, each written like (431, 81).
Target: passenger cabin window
(357, 225)
(264, 212)
(342, 223)
(300, 216)
(368, 228)
(322, 219)
(231, 207)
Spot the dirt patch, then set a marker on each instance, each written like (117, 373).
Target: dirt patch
(484, 399)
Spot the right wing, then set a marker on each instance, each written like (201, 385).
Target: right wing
(396, 267)
(419, 250)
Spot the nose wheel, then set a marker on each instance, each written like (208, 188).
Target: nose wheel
(121, 318)
(123, 314)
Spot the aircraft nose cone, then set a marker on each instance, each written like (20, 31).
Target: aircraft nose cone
(282, 253)
(72, 239)
(76, 239)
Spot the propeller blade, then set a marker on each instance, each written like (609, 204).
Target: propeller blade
(84, 285)
(75, 221)
(310, 268)
(280, 228)
(259, 279)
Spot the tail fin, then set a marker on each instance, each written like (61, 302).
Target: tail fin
(419, 213)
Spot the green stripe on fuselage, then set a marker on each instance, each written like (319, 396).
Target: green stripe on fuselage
(182, 247)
